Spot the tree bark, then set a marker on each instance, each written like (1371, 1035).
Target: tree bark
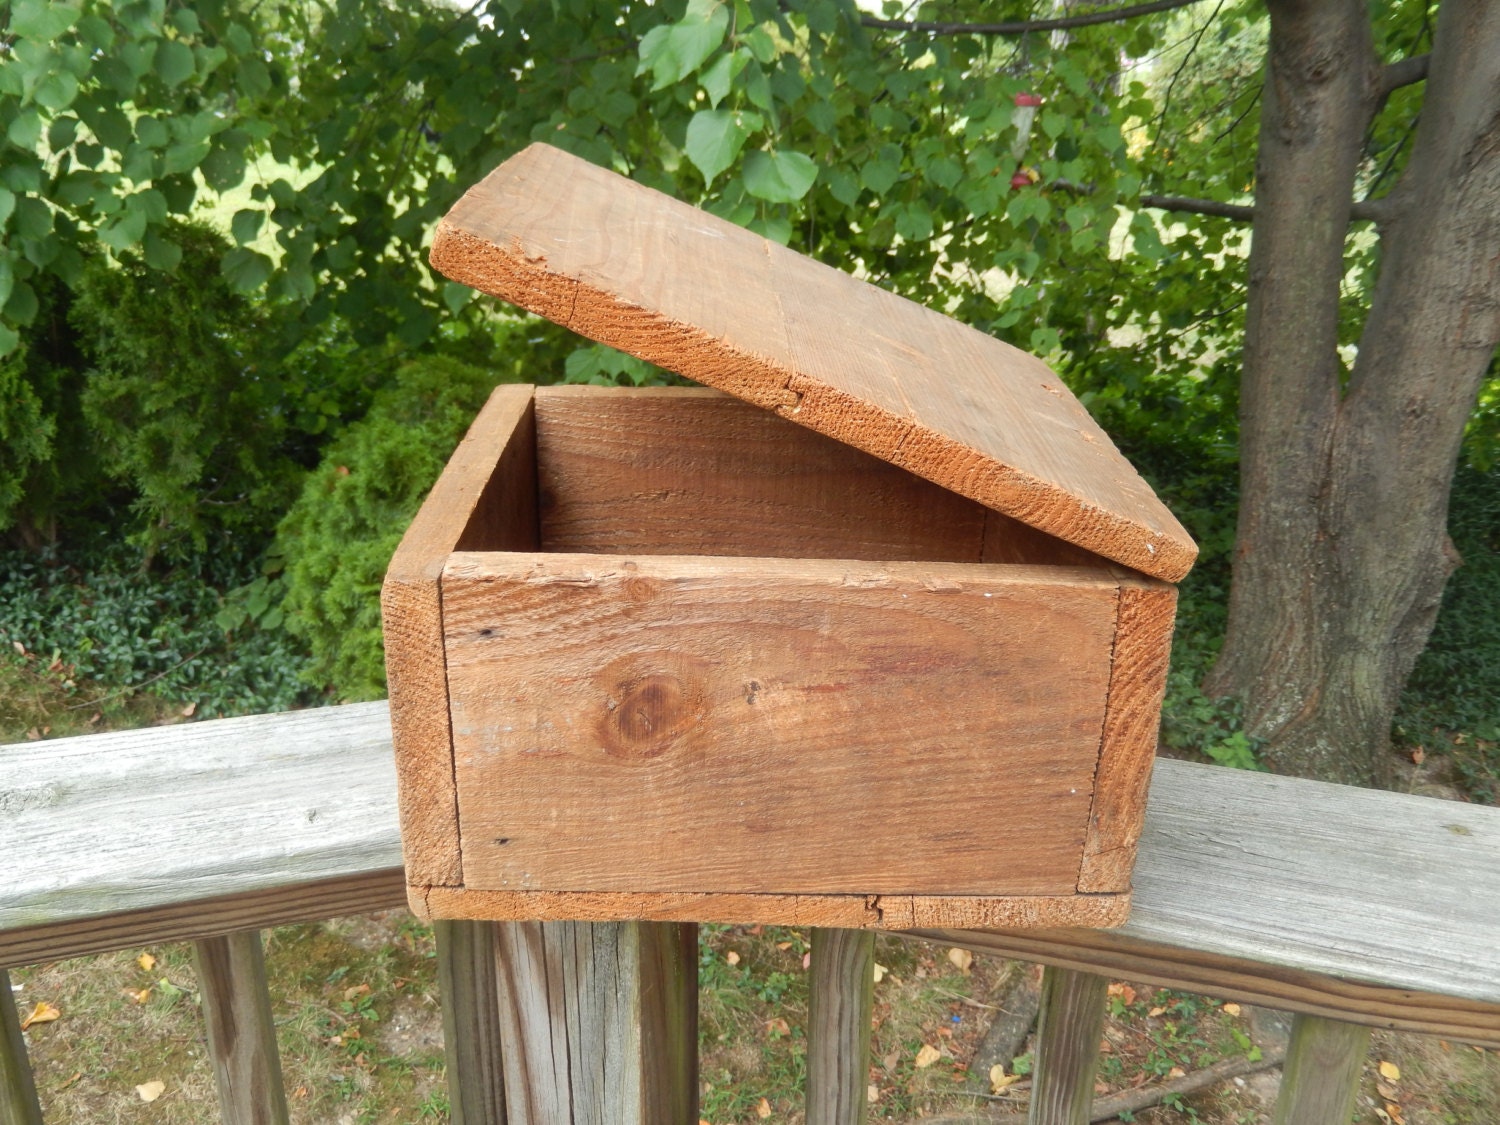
(1342, 552)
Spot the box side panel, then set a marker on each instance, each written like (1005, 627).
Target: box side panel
(1137, 683)
(852, 912)
(767, 725)
(683, 471)
(491, 475)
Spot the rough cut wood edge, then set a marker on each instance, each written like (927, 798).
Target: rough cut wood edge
(411, 613)
(850, 912)
(194, 919)
(1122, 957)
(1157, 546)
(1132, 716)
(241, 1031)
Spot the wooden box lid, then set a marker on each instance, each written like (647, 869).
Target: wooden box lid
(639, 271)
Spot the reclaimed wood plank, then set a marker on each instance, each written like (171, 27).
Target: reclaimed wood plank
(108, 823)
(655, 691)
(838, 1026)
(691, 471)
(639, 271)
(1320, 1077)
(1067, 1047)
(600, 1020)
(469, 985)
(486, 499)
(18, 1101)
(241, 1032)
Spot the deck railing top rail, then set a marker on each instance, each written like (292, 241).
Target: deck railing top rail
(1371, 906)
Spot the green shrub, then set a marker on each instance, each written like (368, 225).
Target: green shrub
(338, 537)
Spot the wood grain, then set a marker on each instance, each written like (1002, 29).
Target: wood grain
(841, 911)
(600, 1022)
(490, 481)
(688, 471)
(1137, 683)
(774, 726)
(241, 1032)
(18, 1101)
(1067, 1047)
(468, 982)
(841, 1000)
(634, 269)
(1321, 1075)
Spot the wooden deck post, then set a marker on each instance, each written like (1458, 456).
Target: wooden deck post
(838, 1031)
(241, 1033)
(1067, 1047)
(599, 1022)
(469, 984)
(1321, 1074)
(18, 1104)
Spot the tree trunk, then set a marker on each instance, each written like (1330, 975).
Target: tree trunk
(1342, 550)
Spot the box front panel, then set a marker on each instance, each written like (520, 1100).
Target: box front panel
(774, 726)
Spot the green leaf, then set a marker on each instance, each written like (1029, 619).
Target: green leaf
(879, 175)
(26, 130)
(674, 52)
(7, 279)
(914, 223)
(10, 339)
(715, 138)
(184, 157)
(57, 91)
(7, 205)
(33, 217)
(246, 225)
(151, 132)
(62, 132)
(185, 20)
(174, 62)
(779, 177)
(37, 19)
(246, 270)
(223, 168)
(842, 185)
(456, 296)
(22, 306)
(161, 252)
(761, 45)
(718, 78)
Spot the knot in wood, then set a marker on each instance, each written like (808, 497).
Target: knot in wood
(653, 711)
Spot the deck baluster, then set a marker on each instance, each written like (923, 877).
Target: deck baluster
(469, 985)
(1321, 1074)
(838, 1032)
(18, 1104)
(241, 1033)
(1067, 1051)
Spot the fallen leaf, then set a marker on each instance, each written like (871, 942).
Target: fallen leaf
(756, 931)
(140, 996)
(807, 959)
(351, 1033)
(732, 957)
(891, 1060)
(1390, 1071)
(19, 647)
(77, 1074)
(146, 961)
(150, 1091)
(1123, 991)
(1395, 1111)
(783, 945)
(95, 717)
(1389, 1093)
(190, 710)
(880, 971)
(764, 1109)
(1154, 1012)
(1445, 1045)
(927, 1056)
(42, 1013)
(1177, 1072)
(872, 1094)
(1419, 755)
(962, 959)
(357, 990)
(1231, 1009)
(300, 1092)
(779, 1026)
(999, 1080)
(33, 734)
(1106, 1047)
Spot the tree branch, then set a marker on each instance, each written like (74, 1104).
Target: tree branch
(1373, 210)
(1402, 72)
(1021, 27)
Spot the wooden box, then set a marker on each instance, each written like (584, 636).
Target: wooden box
(877, 638)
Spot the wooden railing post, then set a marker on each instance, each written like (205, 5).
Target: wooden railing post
(470, 989)
(241, 1033)
(1067, 1047)
(599, 1022)
(1320, 1077)
(838, 1032)
(18, 1104)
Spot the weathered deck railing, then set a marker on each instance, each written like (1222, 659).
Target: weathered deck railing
(1353, 909)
